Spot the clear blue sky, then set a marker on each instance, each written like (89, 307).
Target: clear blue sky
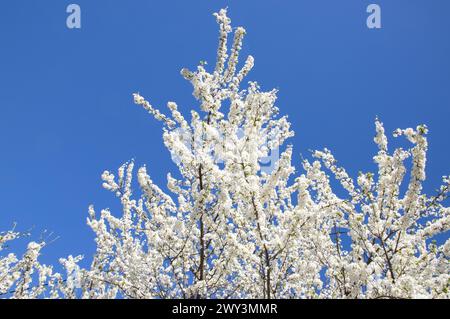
(66, 111)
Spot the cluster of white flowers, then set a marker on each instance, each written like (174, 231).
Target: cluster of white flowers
(24, 278)
(229, 229)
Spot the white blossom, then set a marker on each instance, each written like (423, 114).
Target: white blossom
(230, 229)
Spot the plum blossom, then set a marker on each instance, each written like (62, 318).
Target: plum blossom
(228, 228)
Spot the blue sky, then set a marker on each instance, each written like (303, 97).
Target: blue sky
(66, 111)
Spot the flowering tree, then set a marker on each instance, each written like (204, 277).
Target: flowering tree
(392, 254)
(231, 228)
